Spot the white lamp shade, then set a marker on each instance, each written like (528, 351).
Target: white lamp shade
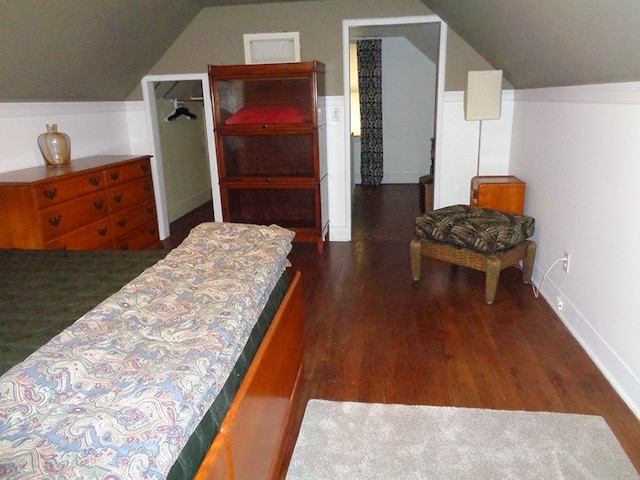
(483, 95)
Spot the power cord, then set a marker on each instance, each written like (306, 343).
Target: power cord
(536, 290)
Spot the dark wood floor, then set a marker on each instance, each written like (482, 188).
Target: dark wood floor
(374, 335)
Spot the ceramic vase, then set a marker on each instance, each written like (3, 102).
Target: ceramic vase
(55, 146)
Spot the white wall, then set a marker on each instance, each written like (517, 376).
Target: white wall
(339, 178)
(578, 149)
(459, 149)
(408, 112)
(185, 158)
(95, 128)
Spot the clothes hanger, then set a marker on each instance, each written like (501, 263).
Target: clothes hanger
(179, 110)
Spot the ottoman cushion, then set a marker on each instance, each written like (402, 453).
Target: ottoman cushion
(479, 229)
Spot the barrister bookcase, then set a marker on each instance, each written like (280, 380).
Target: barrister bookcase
(270, 145)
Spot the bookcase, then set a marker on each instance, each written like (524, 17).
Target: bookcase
(270, 133)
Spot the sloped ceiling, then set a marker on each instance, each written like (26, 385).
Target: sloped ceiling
(220, 3)
(544, 43)
(84, 49)
(98, 50)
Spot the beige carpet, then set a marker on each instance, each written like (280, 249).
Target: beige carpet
(356, 441)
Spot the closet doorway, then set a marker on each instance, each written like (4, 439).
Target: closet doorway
(180, 123)
(406, 145)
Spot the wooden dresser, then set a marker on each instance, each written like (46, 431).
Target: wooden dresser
(100, 202)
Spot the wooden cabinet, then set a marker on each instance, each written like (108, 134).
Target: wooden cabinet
(270, 144)
(426, 193)
(500, 192)
(101, 202)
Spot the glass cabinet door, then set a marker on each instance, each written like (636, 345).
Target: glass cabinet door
(268, 156)
(286, 207)
(264, 101)
(270, 145)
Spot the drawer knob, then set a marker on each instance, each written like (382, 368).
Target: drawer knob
(102, 231)
(115, 175)
(118, 198)
(144, 167)
(122, 222)
(98, 204)
(95, 181)
(51, 193)
(55, 221)
(147, 187)
(268, 179)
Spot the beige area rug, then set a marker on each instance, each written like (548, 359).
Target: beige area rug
(344, 440)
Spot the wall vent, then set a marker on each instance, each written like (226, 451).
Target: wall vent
(280, 47)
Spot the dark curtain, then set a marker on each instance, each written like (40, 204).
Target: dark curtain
(370, 86)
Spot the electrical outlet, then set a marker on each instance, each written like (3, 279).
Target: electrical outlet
(559, 303)
(565, 262)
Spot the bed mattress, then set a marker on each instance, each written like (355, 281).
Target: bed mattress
(121, 390)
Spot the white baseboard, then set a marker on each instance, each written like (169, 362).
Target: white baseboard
(610, 364)
(339, 234)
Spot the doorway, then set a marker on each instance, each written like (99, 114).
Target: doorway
(163, 95)
(427, 34)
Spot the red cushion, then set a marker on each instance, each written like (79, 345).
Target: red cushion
(267, 114)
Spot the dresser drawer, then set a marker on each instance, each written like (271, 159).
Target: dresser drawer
(126, 172)
(144, 237)
(125, 221)
(65, 217)
(130, 194)
(93, 236)
(63, 189)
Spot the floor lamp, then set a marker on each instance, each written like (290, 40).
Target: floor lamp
(483, 99)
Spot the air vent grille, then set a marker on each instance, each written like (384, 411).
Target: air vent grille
(271, 47)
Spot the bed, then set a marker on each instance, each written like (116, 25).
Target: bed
(189, 370)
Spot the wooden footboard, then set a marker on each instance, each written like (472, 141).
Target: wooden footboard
(254, 432)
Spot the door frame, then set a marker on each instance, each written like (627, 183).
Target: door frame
(441, 66)
(148, 94)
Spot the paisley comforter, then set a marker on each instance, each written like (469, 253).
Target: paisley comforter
(119, 392)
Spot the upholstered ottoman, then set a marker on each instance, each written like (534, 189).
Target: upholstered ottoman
(478, 238)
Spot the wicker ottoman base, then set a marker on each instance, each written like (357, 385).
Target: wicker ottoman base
(492, 264)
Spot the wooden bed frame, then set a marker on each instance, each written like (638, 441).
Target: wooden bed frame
(253, 436)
